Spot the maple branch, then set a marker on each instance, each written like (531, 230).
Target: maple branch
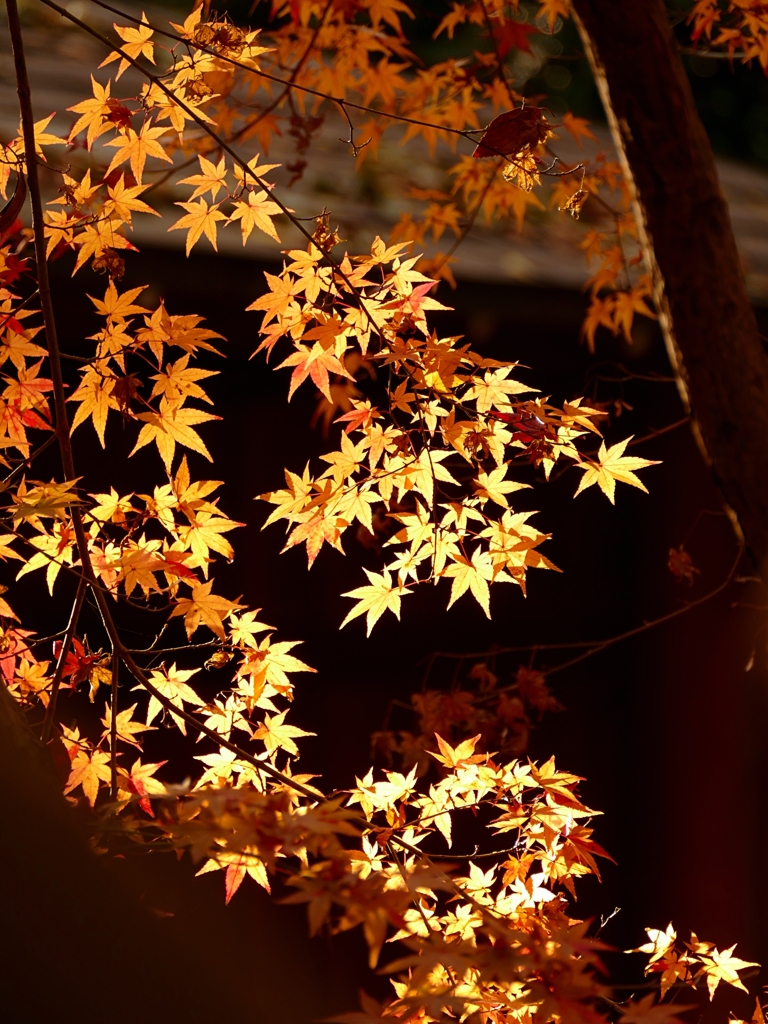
(44, 289)
(113, 728)
(58, 674)
(297, 68)
(653, 433)
(470, 223)
(340, 101)
(414, 895)
(29, 458)
(595, 646)
(242, 164)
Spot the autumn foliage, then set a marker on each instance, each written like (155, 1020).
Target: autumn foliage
(430, 470)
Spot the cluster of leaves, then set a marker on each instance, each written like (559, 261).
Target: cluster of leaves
(445, 402)
(425, 471)
(740, 28)
(697, 961)
(499, 718)
(496, 941)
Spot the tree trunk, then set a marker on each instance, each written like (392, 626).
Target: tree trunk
(706, 316)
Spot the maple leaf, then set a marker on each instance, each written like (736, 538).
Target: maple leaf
(236, 866)
(204, 535)
(200, 217)
(170, 425)
(99, 240)
(720, 966)
(243, 628)
(88, 770)
(44, 500)
(93, 113)
(116, 305)
(256, 213)
(473, 575)
(122, 202)
(659, 943)
(223, 718)
(206, 608)
(493, 390)
(317, 362)
(42, 137)
(275, 735)
(513, 35)
(613, 466)
(212, 179)
(645, 1012)
(578, 127)
(137, 147)
(281, 296)
(179, 381)
(127, 729)
(493, 485)
(463, 753)
(172, 684)
(140, 781)
(259, 170)
(512, 132)
(94, 393)
(379, 596)
(136, 43)
(6, 551)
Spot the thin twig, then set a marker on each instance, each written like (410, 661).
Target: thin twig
(58, 674)
(113, 728)
(594, 645)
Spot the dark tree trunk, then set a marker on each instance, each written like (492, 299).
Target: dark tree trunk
(708, 321)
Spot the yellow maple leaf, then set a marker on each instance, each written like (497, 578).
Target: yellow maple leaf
(552, 10)
(136, 43)
(93, 113)
(275, 735)
(136, 147)
(88, 770)
(44, 500)
(170, 425)
(256, 213)
(453, 756)
(122, 201)
(213, 178)
(127, 729)
(94, 393)
(659, 943)
(473, 575)
(199, 218)
(720, 966)
(379, 596)
(172, 684)
(206, 608)
(613, 465)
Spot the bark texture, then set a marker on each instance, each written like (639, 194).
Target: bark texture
(706, 315)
